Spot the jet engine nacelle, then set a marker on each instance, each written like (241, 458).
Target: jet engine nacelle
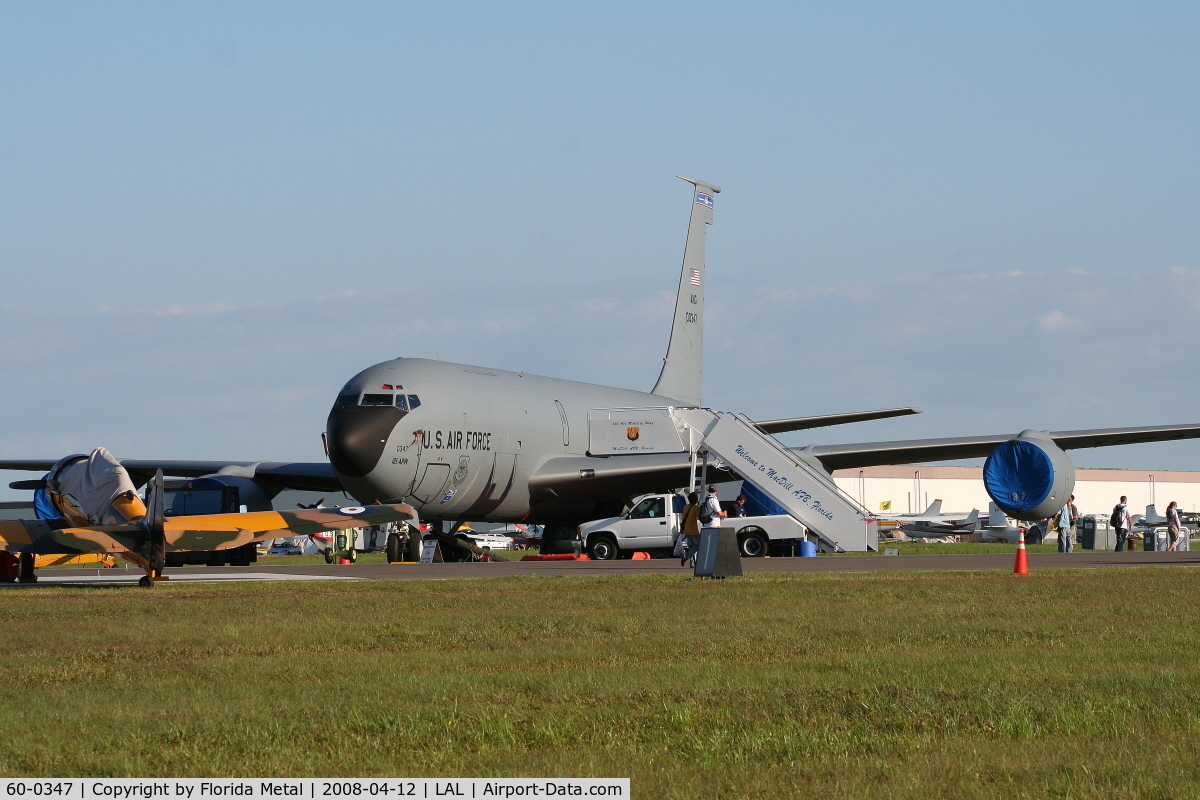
(1029, 477)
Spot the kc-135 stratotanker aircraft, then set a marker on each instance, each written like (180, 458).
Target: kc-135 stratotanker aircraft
(468, 443)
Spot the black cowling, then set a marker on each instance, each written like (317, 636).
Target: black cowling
(357, 435)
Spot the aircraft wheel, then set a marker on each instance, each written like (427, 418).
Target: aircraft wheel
(604, 548)
(394, 549)
(146, 582)
(329, 559)
(753, 544)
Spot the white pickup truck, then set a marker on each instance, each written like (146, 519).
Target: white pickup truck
(654, 523)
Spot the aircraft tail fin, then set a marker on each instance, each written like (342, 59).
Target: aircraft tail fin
(681, 371)
(996, 518)
(972, 520)
(934, 510)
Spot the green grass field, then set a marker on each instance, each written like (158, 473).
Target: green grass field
(1063, 684)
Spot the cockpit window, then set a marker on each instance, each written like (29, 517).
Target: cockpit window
(413, 402)
(401, 403)
(346, 401)
(376, 400)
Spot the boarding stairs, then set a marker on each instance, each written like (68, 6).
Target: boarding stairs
(804, 490)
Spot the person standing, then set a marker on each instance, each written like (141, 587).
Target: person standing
(1122, 522)
(1174, 526)
(1064, 528)
(739, 506)
(711, 513)
(1074, 519)
(690, 525)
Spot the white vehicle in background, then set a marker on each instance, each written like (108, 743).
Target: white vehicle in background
(496, 541)
(293, 546)
(654, 524)
(285, 547)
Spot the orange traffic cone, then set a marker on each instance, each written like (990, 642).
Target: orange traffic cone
(1022, 565)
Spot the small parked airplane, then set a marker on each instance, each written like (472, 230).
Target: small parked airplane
(934, 528)
(146, 540)
(932, 514)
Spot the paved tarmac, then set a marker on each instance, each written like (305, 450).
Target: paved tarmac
(1086, 559)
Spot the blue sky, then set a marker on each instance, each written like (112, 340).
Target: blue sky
(212, 214)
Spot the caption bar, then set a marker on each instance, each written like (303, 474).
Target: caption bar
(209, 788)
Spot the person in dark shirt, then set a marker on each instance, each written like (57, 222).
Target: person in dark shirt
(739, 507)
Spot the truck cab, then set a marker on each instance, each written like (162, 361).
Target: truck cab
(652, 523)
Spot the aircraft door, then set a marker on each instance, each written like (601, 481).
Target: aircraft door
(648, 525)
(429, 489)
(562, 414)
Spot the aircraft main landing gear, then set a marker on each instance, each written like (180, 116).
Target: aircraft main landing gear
(27, 574)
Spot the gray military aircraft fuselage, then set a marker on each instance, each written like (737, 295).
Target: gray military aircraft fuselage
(463, 442)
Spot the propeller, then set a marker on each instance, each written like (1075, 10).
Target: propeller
(152, 525)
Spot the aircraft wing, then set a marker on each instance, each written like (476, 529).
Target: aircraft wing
(113, 539)
(849, 456)
(300, 522)
(317, 477)
(804, 423)
(226, 531)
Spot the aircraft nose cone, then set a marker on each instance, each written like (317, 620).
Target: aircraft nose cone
(357, 436)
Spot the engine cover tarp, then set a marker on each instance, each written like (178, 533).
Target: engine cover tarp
(1018, 475)
(91, 484)
(43, 507)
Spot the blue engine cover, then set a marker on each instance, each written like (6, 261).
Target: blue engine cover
(759, 504)
(1029, 477)
(43, 507)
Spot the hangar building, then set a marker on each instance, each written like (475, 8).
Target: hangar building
(911, 488)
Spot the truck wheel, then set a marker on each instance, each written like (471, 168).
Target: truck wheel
(352, 555)
(394, 551)
(753, 544)
(604, 548)
(329, 556)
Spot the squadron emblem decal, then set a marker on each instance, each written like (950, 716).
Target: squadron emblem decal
(633, 433)
(464, 462)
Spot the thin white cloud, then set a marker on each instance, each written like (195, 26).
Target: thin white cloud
(1057, 322)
